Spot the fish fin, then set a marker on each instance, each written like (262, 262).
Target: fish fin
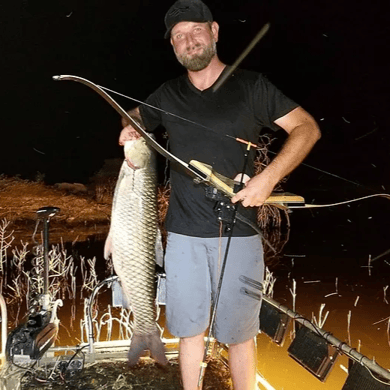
(140, 343)
(157, 350)
(108, 247)
(159, 249)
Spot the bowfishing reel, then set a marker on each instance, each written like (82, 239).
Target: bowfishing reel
(30, 340)
(223, 208)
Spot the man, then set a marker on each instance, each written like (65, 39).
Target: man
(241, 107)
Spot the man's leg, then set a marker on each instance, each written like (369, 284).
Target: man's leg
(190, 357)
(237, 319)
(242, 363)
(188, 301)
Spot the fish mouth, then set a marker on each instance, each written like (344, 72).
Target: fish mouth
(131, 165)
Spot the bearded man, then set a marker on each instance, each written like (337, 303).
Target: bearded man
(244, 104)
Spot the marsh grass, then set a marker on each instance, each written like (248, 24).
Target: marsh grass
(22, 275)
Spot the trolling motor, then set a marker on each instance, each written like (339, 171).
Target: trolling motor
(30, 340)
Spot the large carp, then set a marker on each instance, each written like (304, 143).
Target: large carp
(131, 242)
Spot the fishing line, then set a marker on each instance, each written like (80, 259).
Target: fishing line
(330, 174)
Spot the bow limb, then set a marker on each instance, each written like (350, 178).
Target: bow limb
(149, 140)
(308, 206)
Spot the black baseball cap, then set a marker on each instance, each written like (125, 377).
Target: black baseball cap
(186, 11)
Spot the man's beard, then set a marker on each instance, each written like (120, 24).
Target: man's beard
(198, 61)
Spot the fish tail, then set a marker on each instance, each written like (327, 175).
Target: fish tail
(152, 342)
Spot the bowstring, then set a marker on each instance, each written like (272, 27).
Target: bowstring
(258, 147)
(158, 109)
(338, 203)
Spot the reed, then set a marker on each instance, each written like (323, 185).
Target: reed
(268, 283)
(22, 274)
(321, 317)
(6, 239)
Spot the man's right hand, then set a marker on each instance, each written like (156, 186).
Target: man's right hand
(128, 133)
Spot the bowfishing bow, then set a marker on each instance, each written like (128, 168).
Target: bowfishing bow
(203, 173)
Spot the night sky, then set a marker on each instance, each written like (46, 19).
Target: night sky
(330, 56)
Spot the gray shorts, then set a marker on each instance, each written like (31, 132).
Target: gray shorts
(192, 267)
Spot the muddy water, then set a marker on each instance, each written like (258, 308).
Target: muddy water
(327, 256)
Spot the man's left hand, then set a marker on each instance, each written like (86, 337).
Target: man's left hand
(255, 192)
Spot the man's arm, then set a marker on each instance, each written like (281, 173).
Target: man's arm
(128, 132)
(303, 134)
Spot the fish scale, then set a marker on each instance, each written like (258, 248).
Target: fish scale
(132, 245)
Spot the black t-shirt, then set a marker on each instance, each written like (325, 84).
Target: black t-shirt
(241, 107)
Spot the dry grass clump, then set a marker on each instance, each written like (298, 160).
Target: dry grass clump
(104, 189)
(19, 199)
(103, 181)
(80, 217)
(268, 216)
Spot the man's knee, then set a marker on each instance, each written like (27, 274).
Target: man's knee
(192, 339)
(244, 345)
